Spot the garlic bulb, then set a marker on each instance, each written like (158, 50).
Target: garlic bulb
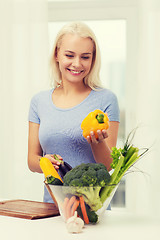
(74, 224)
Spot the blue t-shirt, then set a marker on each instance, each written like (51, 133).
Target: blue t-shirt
(60, 129)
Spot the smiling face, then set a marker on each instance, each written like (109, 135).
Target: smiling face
(75, 57)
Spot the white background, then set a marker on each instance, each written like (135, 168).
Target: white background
(24, 51)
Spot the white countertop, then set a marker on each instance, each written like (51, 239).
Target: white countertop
(116, 225)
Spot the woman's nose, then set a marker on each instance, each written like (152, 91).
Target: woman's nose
(76, 62)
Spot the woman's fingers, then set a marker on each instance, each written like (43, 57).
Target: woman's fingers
(93, 137)
(104, 133)
(101, 136)
(55, 162)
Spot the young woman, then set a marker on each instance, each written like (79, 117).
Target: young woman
(55, 115)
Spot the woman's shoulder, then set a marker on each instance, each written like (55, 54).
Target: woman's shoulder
(42, 94)
(104, 92)
(108, 103)
(106, 97)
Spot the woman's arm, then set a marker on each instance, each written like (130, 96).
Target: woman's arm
(35, 151)
(101, 148)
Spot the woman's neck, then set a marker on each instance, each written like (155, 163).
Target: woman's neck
(67, 96)
(72, 88)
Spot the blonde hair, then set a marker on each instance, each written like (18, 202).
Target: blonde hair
(92, 79)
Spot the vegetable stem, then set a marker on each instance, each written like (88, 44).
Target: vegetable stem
(55, 156)
(100, 118)
(129, 153)
(107, 189)
(133, 158)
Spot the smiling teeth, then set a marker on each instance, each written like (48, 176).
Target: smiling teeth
(75, 71)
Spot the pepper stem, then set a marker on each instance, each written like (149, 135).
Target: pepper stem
(100, 117)
(55, 156)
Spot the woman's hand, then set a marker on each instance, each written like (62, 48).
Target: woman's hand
(102, 147)
(101, 136)
(55, 162)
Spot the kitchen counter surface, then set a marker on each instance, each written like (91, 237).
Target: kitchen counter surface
(116, 225)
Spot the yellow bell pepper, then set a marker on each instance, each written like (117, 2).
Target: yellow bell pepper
(48, 168)
(96, 120)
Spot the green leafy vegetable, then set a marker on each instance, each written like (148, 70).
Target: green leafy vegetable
(123, 159)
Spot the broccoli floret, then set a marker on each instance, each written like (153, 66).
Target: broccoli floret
(92, 216)
(89, 174)
(103, 177)
(88, 179)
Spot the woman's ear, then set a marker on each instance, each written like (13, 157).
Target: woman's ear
(56, 55)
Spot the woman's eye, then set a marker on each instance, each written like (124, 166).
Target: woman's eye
(69, 56)
(85, 58)
(72, 56)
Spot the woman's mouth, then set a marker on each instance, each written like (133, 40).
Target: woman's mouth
(75, 72)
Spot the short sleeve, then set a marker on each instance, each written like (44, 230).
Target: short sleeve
(112, 108)
(33, 111)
